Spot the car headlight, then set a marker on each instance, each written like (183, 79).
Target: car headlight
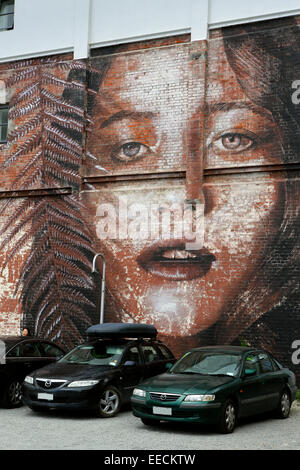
(199, 398)
(139, 392)
(83, 383)
(28, 379)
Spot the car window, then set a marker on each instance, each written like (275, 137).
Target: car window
(29, 349)
(15, 352)
(132, 354)
(49, 350)
(99, 354)
(208, 363)
(277, 365)
(251, 362)
(265, 363)
(150, 353)
(166, 354)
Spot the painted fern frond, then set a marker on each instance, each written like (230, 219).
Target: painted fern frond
(28, 146)
(19, 210)
(68, 266)
(50, 79)
(17, 228)
(25, 94)
(52, 101)
(56, 280)
(25, 109)
(60, 136)
(92, 162)
(22, 75)
(54, 148)
(24, 129)
(29, 176)
(68, 123)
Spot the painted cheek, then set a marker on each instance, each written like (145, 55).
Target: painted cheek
(239, 215)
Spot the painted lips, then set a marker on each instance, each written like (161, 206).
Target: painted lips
(172, 261)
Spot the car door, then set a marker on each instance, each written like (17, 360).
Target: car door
(251, 394)
(167, 355)
(23, 359)
(50, 351)
(272, 381)
(132, 370)
(155, 362)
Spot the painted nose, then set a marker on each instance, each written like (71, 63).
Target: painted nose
(194, 180)
(194, 161)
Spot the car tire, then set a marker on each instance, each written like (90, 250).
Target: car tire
(110, 402)
(284, 406)
(150, 422)
(12, 397)
(228, 417)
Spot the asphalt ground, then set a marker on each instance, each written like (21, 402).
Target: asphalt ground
(23, 429)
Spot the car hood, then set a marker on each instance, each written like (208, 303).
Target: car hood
(72, 371)
(185, 383)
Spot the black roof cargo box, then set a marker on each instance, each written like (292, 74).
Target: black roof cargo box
(122, 330)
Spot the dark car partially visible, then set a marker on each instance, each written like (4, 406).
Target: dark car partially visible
(19, 356)
(101, 373)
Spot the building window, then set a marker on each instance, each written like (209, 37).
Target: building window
(3, 123)
(7, 8)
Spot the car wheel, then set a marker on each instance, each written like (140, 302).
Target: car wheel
(228, 417)
(284, 407)
(12, 397)
(109, 403)
(150, 422)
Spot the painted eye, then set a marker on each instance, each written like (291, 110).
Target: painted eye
(130, 151)
(233, 142)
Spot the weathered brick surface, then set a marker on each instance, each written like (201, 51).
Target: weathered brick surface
(129, 138)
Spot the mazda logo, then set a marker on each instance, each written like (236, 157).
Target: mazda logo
(48, 383)
(163, 396)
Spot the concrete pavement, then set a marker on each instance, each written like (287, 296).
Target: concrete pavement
(23, 429)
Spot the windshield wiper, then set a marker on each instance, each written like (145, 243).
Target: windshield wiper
(190, 372)
(221, 375)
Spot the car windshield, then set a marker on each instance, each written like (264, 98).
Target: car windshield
(96, 354)
(208, 363)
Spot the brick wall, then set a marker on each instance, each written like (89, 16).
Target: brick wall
(112, 155)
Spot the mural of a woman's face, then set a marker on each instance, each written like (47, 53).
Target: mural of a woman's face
(149, 118)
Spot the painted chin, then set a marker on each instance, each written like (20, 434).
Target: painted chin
(178, 314)
(171, 260)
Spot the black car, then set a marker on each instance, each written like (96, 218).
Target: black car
(19, 356)
(101, 373)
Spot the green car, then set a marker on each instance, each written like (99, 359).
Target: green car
(216, 385)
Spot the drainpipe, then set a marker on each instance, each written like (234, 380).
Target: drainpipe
(102, 284)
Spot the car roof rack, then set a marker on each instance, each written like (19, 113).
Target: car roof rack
(121, 330)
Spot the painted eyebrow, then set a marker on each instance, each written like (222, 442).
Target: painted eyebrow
(238, 105)
(135, 115)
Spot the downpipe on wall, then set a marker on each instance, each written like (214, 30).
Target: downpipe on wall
(102, 283)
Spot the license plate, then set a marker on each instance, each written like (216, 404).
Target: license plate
(159, 410)
(45, 396)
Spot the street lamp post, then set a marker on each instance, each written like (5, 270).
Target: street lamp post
(102, 284)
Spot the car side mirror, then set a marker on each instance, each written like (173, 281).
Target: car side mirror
(168, 365)
(129, 363)
(249, 372)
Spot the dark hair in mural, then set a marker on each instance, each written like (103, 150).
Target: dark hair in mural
(266, 63)
(58, 290)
